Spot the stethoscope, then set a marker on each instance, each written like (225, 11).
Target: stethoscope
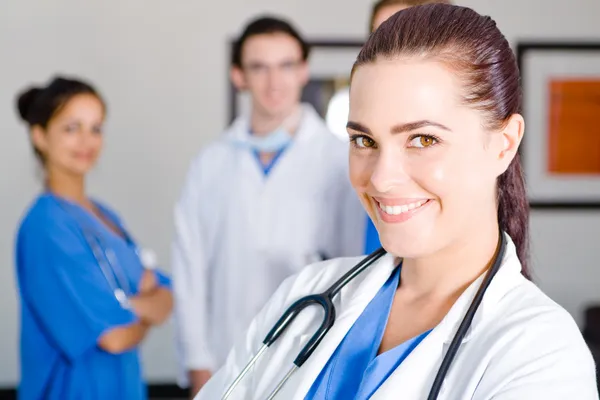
(109, 264)
(325, 300)
(111, 269)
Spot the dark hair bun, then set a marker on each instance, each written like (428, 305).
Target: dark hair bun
(38, 105)
(25, 101)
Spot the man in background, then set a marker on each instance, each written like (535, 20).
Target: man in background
(269, 197)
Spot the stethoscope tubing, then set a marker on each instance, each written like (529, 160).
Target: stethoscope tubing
(325, 300)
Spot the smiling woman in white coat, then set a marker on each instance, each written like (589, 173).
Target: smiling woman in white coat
(435, 128)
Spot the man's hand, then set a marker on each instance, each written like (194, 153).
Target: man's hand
(198, 378)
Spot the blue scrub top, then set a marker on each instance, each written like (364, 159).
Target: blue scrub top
(372, 242)
(355, 371)
(67, 304)
(268, 166)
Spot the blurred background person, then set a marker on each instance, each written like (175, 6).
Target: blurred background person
(271, 195)
(340, 102)
(87, 300)
(383, 9)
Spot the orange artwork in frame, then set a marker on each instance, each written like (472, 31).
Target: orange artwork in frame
(574, 127)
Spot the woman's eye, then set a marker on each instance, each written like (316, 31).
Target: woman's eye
(422, 141)
(363, 142)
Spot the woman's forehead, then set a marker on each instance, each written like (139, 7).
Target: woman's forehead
(414, 89)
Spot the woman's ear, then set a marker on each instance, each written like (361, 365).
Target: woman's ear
(38, 138)
(512, 134)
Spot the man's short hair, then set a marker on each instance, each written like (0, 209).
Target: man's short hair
(266, 25)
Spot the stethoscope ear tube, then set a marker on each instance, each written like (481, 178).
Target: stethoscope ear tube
(325, 300)
(292, 312)
(355, 271)
(466, 322)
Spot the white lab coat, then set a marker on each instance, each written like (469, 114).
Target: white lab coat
(239, 234)
(521, 345)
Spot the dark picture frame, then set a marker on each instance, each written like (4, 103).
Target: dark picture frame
(539, 63)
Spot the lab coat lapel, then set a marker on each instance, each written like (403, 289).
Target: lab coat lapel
(415, 375)
(412, 379)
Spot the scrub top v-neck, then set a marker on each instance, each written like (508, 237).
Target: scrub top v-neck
(355, 371)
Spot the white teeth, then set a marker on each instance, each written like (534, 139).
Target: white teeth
(397, 210)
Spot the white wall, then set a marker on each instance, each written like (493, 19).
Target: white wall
(162, 68)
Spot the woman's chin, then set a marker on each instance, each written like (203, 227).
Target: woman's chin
(405, 247)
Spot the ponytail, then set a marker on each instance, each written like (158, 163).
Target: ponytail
(513, 211)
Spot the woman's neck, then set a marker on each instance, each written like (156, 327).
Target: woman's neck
(66, 185)
(450, 271)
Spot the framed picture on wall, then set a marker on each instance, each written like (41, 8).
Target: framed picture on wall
(561, 106)
(330, 63)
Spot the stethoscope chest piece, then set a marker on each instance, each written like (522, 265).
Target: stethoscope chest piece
(122, 298)
(148, 258)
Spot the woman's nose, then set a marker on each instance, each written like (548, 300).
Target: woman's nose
(389, 172)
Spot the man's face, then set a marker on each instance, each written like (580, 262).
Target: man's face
(384, 13)
(273, 71)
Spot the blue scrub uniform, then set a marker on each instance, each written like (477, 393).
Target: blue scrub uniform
(67, 304)
(372, 242)
(355, 371)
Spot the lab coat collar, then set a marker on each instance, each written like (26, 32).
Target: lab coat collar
(506, 278)
(310, 124)
(429, 353)
(357, 295)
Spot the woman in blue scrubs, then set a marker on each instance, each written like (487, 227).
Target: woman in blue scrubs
(82, 318)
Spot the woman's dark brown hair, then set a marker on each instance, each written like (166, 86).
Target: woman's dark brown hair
(472, 46)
